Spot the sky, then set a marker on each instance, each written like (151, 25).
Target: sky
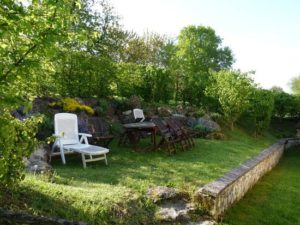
(264, 35)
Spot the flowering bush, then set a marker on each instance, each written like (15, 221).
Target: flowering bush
(71, 105)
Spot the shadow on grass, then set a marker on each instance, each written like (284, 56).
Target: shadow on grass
(78, 205)
(26, 196)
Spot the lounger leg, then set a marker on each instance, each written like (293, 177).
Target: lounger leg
(83, 160)
(52, 150)
(105, 159)
(62, 154)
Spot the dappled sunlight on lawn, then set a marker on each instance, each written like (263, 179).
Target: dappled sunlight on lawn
(208, 160)
(97, 192)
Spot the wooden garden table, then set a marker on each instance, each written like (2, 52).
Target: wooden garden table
(134, 131)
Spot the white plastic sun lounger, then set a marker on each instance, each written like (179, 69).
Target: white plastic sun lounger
(68, 140)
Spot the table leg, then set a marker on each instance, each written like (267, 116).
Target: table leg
(134, 139)
(154, 138)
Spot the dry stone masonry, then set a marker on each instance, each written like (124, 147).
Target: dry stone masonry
(217, 196)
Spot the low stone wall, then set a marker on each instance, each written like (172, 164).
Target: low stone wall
(217, 196)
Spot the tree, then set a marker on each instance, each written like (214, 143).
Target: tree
(200, 51)
(261, 109)
(284, 104)
(85, 66)
(276, 89)
(30, 37)
(233, 90)
(80, 74)
(145, 68)
(150, 83)
(129, 79)
(149, 49)
(157, 85)
(295, 85)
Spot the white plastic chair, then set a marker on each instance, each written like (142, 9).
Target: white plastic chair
(138, 114)
(68, 140)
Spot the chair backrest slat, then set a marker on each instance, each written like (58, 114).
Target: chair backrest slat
(162, 127)
(172, 124)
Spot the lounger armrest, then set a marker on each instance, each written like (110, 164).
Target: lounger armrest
(84, 134)
(57, 135)
(84, 138)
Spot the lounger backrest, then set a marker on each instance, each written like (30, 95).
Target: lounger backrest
(138, 114)
(66, 125)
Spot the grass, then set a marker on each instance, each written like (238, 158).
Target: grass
(114, 194)
(207, 161)
(275, 200)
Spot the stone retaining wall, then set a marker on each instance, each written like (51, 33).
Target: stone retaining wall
(217, 196)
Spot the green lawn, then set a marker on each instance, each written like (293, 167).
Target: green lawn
(114, 194)
(275, 200)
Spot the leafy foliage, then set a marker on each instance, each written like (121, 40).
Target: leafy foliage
(233, 90)
(30, 36)
(80, 74)
(295, 85)
(72, 105)
(199, 51)
(261, 109)
(17, 141)
(77, 48)
(144, 81)
(286, 105)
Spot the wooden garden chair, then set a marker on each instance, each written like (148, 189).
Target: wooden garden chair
(180, 135)
(168, 139)
(100, 130)
(188, 132)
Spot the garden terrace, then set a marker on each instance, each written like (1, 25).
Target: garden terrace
(115, 193)
(76, 57)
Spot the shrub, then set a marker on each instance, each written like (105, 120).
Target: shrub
(87, 109)
(199, 112)
(216, 116)
(120, 104)
(116, 128)
(201, 130)
(45, 129)
(102, 108)
(72, 105)
(286, 105)
(233, 90)
(262, 106)
(17, 141)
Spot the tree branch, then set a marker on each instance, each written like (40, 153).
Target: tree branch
(22, 58)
